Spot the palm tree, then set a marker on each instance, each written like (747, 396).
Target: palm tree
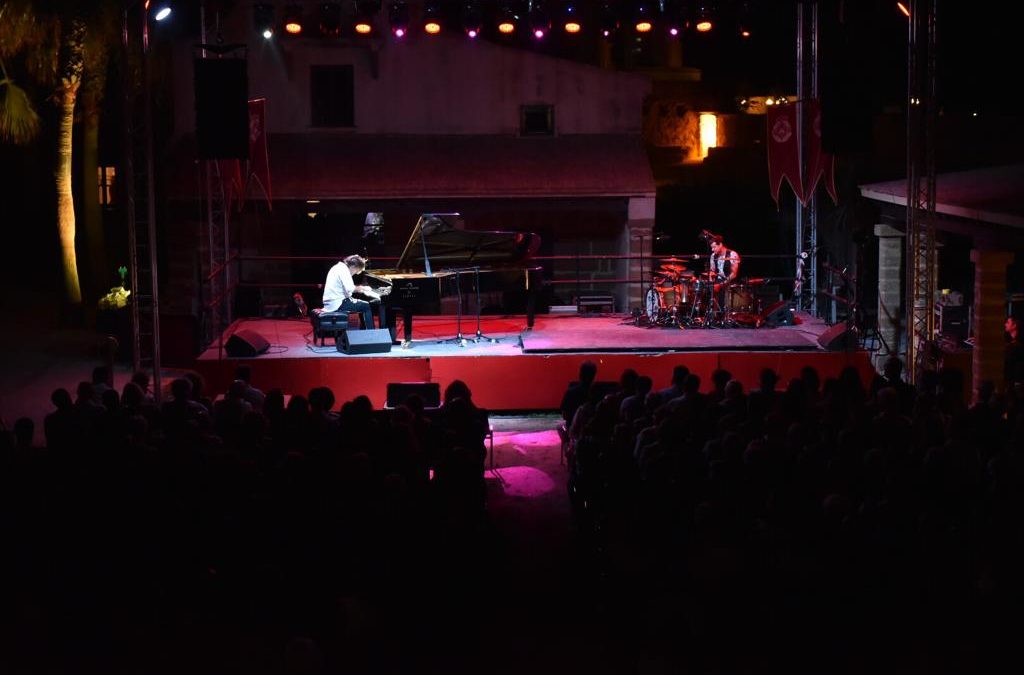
(52, 39)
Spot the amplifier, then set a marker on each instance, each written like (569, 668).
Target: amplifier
(953, 320)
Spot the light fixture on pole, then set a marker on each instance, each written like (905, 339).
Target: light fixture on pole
(472, 19)
(263, 19)
(572, 22)
(643, 18)
(398, 17)
(293, 19)
(704, 22)
(540, 24)
(507, 20)
(432, 17)
(366, 14)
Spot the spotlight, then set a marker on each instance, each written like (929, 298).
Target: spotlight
(540, 24)
(609, 22)
(330, 19)
(163, 10)
(745, 31)
(704, 21)
(263, 19)
(572, 19)
(643, 18)
(507, 21)
(672, 12)
(432, 17)
(472, 19)
(366, 12)
(293, 19)
(904, 9)
(398, 17)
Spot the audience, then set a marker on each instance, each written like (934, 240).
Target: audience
(824, 506)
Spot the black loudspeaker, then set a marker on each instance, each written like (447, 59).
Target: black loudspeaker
(779, 314)
(246, 343)
(366, 341)
(838, 338)
(222, 108)
(398, 392)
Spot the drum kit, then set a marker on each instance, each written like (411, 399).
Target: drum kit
(680, 298)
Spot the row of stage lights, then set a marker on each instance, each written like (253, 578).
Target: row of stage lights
(330, 22)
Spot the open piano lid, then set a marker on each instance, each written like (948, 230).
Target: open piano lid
(449, 245)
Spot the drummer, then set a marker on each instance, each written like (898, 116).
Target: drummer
(725, 263)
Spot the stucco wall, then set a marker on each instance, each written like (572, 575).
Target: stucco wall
(443, 85)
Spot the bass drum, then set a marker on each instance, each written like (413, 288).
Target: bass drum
(653, 303)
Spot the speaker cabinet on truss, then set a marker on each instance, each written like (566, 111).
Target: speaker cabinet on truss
(222, 108)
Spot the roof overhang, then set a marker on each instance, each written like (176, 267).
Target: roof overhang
(992, 195)
(340, 166)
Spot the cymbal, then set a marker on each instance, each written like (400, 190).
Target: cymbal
(673, 268)
(757, 281)
(672, 260)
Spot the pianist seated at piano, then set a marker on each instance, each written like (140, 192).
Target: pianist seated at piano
(340, 289)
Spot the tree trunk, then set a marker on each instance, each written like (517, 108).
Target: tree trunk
(99, 278)
(71, 65)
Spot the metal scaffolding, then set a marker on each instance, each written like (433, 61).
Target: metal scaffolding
(920, 268)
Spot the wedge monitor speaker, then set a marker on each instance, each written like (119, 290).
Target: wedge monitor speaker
(367, 341)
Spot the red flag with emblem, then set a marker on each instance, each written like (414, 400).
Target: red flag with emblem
(820, 164)
(259, 158)
(783, 151)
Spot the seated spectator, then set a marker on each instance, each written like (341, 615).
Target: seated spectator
(633, 406)
(576, 394)
(251, 394)
(675, 390)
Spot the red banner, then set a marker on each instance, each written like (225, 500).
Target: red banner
(259, 158)
(820, 164)
(783, 150)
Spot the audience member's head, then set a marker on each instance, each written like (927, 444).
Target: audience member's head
(588, 372)
(457, 389)
(769, 378)
(679, 374)
(244, 372)
(141, 378)
(61, 398)
(893, 368)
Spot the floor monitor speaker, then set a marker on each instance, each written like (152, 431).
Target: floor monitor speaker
(398, 392)
(778, 314)
(366, 341)
(838, 338)
(244, 342)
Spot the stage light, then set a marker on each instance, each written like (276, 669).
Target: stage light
(704, 21)
(540, 24)
(744, 21)
(366, 13)
(293, 19)
(643, 18)
(432, 17)
(472, 19)
(507, 21)
(609, 21)
(330, 19)
(163, 10)
(263, 19)
(903, 9)
(398, 17)
(572, 19)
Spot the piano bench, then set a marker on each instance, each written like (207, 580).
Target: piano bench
(329, 324)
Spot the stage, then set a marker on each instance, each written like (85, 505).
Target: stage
(519, 369)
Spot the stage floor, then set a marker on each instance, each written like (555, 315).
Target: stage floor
(524, 370)
(434, 336)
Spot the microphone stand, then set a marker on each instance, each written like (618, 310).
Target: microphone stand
(480, 337)
(458, 339)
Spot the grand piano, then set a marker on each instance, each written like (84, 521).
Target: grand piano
(440, 266)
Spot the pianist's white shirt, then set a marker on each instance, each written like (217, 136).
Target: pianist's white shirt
(339, 285)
